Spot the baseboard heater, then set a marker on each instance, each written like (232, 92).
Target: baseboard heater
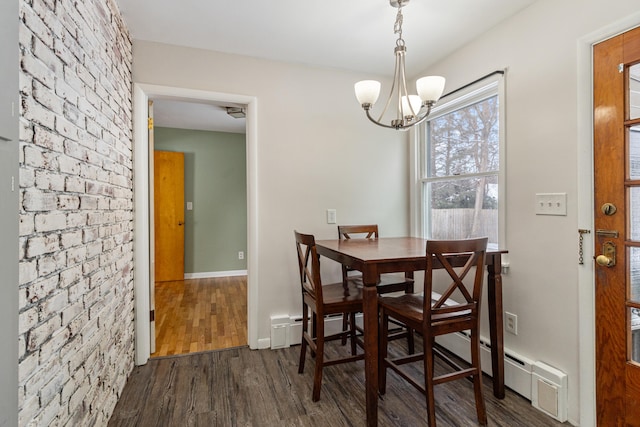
(549, 391)
(517, 368)
(288, 329)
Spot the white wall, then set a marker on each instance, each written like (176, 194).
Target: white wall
(541, 48)
(315, 150)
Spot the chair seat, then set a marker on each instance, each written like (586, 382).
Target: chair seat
(408, 307)
(335, 293)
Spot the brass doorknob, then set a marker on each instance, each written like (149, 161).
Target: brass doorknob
(604, 261)
(608, 256)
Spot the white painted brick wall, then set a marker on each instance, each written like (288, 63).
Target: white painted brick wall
(76, 219)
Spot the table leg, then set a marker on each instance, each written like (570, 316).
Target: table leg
(494, 294)
(370, 319)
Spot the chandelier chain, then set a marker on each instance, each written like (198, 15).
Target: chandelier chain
(397, 27)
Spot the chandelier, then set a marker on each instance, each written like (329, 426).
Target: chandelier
(410, 109)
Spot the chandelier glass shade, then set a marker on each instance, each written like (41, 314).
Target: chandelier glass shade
(410, 109)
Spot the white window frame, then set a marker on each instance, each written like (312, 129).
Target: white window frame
(485, 88)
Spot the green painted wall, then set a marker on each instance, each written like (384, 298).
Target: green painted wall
(215, 182)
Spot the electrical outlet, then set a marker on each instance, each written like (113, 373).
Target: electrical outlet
(241, 255)
(511, 323)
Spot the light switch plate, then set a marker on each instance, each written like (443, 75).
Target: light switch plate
(551, 204)
(331, 216)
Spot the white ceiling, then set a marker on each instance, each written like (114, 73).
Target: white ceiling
(347, 34)
(210, 116)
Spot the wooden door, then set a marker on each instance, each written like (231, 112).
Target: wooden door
(617, 223)
(169, 215)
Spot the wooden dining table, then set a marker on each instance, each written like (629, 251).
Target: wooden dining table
(373, 257)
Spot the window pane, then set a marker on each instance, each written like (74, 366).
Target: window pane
(634, 274)
(465, 141)
(634, 91)
(634, 322)
(454, 213)
(634, 213)
(634, 152)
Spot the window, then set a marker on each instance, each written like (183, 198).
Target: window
(461, 173)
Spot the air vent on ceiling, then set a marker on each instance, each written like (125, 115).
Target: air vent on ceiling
(236, 112)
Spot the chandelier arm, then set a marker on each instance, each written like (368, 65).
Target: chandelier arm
(406, 92)
(426, 114)
(401, 126)
(393, 86)
(378, 122)
(401, 85)
(386, 107)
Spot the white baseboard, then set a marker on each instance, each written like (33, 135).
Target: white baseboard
(210, 274)
(264, 343)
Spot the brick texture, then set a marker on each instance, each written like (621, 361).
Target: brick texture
(76, 212)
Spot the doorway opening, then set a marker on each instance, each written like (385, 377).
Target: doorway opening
(143, 211)
(200, 226)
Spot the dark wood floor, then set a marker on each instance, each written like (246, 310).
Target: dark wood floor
(243, 387)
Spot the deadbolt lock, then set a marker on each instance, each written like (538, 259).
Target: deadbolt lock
(608, 256)
(608, 209)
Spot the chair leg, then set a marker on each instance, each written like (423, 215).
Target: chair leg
(477, 378)
(352, 333)
(410, 334)
(317, 376)
(411, 343)
(382, 352)
(428, 379)
(314, 329)
(345, 326)
(303, 341)
(409, 288)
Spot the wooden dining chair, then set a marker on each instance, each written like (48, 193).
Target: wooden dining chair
(457, 309)
(318, 301)
(387, 283)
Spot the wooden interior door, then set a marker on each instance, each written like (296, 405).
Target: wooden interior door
(169, 215)
(617, 223)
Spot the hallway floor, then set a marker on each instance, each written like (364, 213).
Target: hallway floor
(200, 315)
